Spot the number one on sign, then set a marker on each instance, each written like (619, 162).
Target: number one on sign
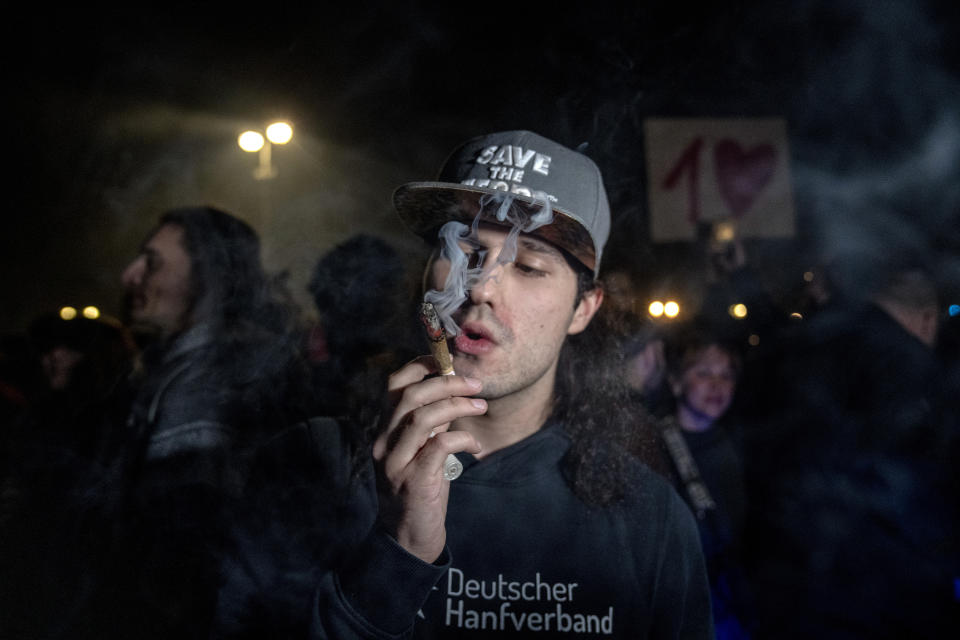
(741, 174)
(688, 163)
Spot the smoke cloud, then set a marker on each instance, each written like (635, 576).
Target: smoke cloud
(469, 271)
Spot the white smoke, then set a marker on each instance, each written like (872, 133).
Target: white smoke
(466, 273)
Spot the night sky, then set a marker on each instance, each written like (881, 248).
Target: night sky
(117, 116)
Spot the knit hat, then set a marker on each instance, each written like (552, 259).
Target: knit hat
(529, 167)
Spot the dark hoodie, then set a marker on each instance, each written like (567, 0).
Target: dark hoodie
(526, 558)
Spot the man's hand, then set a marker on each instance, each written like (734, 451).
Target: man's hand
(413, 493)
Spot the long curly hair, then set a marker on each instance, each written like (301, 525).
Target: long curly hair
(608, 429)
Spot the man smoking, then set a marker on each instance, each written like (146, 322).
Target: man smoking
(548, 495)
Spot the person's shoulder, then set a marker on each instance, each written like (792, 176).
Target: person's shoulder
(647, 489)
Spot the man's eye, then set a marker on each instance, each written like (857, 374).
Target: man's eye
(528, 270)
(474, 259)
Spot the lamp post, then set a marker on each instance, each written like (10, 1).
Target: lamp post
(254, 141)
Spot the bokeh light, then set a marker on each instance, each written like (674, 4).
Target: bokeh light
(68, 313)
(250, 141)
(725, 232)
(279, 133)
(655, 308)
(671, 309)
(738, 310)
(91, 313)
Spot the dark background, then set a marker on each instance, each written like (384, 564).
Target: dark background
(117, 115)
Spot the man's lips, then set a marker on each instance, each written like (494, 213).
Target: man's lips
(473, 339)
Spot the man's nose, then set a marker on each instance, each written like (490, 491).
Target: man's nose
(720, 382)
(133, 273)
(487, 288)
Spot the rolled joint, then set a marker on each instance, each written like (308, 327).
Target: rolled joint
(437, 338)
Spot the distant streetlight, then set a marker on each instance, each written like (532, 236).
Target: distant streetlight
(254, 141)
(658, 309)
(279, 133)
(738, 310)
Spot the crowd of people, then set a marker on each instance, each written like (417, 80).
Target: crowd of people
(211, 466)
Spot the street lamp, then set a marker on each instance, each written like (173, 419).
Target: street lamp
(669, 309)
(253, 141)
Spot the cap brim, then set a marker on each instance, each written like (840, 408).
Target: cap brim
(426, 206)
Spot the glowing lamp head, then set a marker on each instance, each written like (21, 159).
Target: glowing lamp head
(250, 141)
(725, 232)
(279, 133)
(738, 310)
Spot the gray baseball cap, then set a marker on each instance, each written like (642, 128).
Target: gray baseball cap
(529, 167)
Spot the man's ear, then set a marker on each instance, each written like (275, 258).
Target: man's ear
(590, 303)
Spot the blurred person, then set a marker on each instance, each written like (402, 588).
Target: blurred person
(222, 372)
(852, 470)
(552, 527)
(55, 460)
(707, 464)
(69, 417)
(292, 516)
(85, 363)
(58, 364)
(223, 349)
(361, 291)
(645, 364)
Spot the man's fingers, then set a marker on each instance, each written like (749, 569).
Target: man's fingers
(434, 389)
(426, 392)
(411, 373)
(401, 444)
(431, 457)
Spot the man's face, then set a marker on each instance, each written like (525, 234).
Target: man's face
(515, 321)
(58, 364)
(157, 282)
(707, 385)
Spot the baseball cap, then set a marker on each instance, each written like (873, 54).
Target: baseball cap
(529, 167)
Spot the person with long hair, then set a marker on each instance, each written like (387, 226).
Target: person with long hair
(222, 371)
(552, 527)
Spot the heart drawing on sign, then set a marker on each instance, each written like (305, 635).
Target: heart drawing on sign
(742, 174)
